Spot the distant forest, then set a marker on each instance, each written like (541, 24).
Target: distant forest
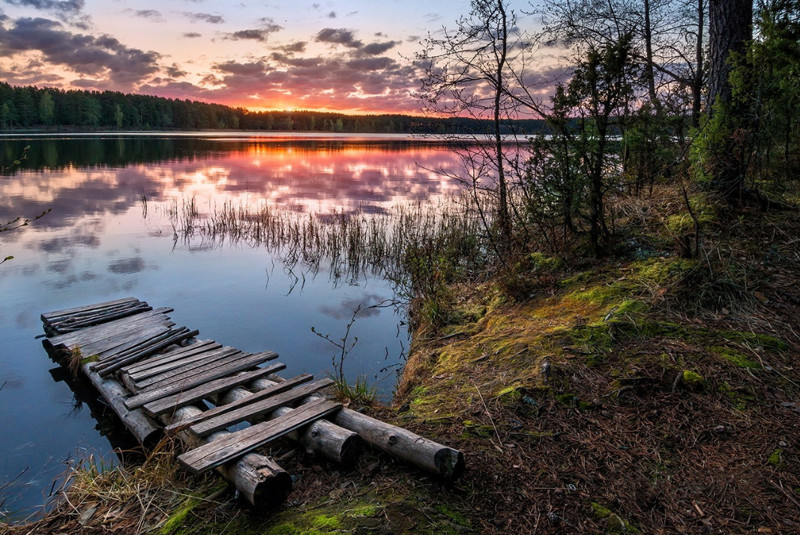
(30, 107)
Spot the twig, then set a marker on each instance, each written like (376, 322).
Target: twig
(489, 414)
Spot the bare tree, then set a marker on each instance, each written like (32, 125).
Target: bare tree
(476, 70)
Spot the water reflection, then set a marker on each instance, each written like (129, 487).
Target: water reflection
(110, 234)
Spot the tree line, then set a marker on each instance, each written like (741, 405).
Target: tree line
(31, 107)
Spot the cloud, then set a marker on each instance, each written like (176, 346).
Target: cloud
(102, 57)
(70, 11)
(150, 14)
(204, 17)
(192, 35)
(268, 26)
(338, 36)
(294, 48)
(373, 49)
(332, 15)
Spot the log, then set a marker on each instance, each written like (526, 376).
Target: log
(421, 452)
(250, 411)
(227, 448)
(228, 407)
(321, 438)
(259, 479)
(146, 431)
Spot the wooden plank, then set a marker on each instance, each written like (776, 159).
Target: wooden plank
(256, 407)
(101, 342)
(75, 310)
(229, 447)
(99, 316)
(186, 397)
(80, 323)
(163, 358)
(103, 347)
(217, 358)
(107, 349)
(181, 365)
(146, 396)
(228, 407)
(144, 341)
(109, 329)
(171, 377)
(150, 349)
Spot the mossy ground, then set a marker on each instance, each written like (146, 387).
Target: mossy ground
(641, 393)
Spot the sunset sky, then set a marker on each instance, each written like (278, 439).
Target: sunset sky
(350, 56)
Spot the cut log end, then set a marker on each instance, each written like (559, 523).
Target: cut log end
(450, 463)
(272, 491)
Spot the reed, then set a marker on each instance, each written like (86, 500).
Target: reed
(349, 244)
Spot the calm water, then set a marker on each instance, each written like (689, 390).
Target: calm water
(102, 241)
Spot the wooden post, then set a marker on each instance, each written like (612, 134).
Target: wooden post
(419, 451)
(259, 479)
(146, 431)
(321, 438)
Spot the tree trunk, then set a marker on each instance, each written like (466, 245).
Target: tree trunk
(697, 81)
(730, 29)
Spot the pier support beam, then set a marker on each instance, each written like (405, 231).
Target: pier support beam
(259, 479)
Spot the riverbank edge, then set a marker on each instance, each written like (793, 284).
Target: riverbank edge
(641, 393)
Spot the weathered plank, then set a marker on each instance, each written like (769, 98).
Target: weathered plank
(112, 328)
(227, 407)
(185, 397)
(257, 407)
(140, 352)
(222, 357)
(49, 316)
(76, 323)
(323, 438)
(146, 396)
(169, 356)
(192, 362)
(220, 451)
(103, 348)
(190, 371)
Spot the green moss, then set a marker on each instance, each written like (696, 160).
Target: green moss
(566, 399)
(174, 523)
(693, 380)
(737, 399)
(475, 429)
(614, 523)
(661, 271)
(327, 522)
(286, 528)
(756, 340)
(510, 394)
(90, 358)
(602, 294)
(453, 515)
(734, 357)
(360, 511)
(776, 458)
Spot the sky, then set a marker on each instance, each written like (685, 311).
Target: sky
(352, 56)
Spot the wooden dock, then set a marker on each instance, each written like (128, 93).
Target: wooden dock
(158, 378)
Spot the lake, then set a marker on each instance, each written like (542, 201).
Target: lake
(111, 232)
